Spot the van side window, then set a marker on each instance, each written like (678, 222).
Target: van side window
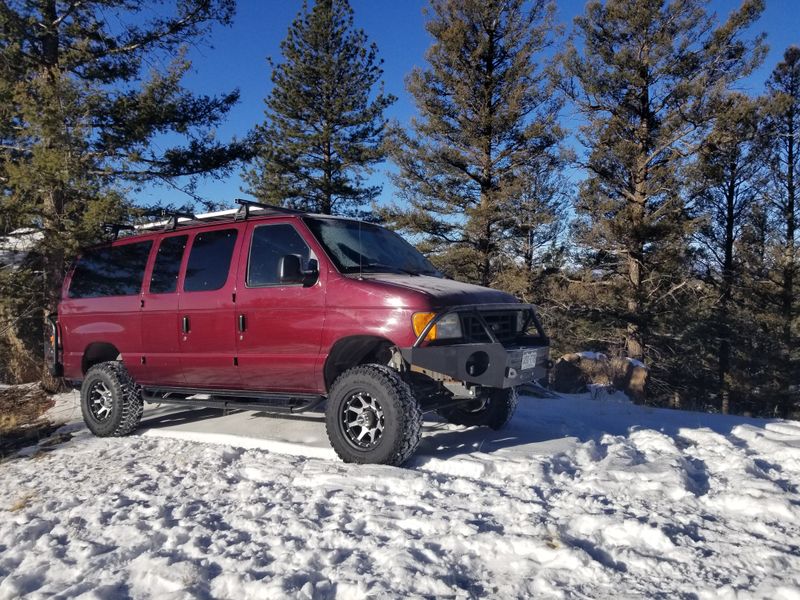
(110, 271)
(209, 260)
(270, 243)
(164, 279)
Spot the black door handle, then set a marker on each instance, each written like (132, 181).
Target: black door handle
(185, 324)
(242, 323)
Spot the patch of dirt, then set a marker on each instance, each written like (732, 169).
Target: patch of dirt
(21, 423)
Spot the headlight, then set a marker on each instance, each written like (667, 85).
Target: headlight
(448, 327)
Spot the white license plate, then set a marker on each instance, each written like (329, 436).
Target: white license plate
(529, 360)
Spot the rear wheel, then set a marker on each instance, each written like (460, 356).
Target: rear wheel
(493, 408)
(372, 416)
(111, 402)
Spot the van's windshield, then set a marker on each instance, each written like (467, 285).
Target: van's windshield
(358, 247)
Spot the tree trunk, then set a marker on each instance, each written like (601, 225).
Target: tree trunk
(53, 199)
(634, 340)
(726, 293)
(791, 227)
(487, 172)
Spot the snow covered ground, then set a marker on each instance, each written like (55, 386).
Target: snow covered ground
(581, 497)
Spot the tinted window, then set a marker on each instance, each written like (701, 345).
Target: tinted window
(110, 271)
(168, 263)
(209, 260)
(269, 244)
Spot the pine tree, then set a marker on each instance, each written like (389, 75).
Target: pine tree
(784, 130)
(471, 168)
(783, 133)
(324, 130)
(647, 77)
(84, 93)
(726, 183)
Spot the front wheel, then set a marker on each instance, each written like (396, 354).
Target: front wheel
(493, 408)
(111, 402)
(372, 416)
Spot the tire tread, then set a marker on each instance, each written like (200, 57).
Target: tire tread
(390, 380)
(128, 392)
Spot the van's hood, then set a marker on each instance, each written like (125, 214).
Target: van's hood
(443, 292)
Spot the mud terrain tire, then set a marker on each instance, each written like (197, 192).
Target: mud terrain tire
(111, 402)
(496, 412)
(372, 416)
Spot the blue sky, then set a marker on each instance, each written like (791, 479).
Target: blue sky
(236, 58)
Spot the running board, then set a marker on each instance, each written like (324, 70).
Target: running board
(234, 399)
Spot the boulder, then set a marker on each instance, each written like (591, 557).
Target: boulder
(573, 373)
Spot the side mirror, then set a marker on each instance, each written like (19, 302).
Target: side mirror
(290, 270)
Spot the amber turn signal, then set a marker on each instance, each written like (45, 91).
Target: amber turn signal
(420, 320)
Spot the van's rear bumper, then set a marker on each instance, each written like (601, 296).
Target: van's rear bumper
(493, 364)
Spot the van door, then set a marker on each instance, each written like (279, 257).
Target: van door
(160, 321)
(206, 319)
(279, 325)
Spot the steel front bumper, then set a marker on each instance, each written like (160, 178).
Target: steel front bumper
(488, 365)
(492, 364)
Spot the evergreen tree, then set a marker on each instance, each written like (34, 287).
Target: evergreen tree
(647, 77)
(84, 94)
(726, 184)
(783, 128)
(324, 130)
(471, 169)
(780, 284)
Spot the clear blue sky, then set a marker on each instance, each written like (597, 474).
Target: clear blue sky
(236, 58)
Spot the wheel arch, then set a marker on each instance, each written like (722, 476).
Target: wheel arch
(355, 350)
(98, 352)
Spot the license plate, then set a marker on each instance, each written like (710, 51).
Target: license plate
(529, 360)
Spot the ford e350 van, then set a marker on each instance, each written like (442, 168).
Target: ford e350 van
(274, 310)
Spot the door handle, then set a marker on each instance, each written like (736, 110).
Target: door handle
(242, 323)
(185, 324)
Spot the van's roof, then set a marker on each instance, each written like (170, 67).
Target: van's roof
(219, 217)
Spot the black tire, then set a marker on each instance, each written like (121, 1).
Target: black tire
(392, 417)
(111, 402)
(493, 409)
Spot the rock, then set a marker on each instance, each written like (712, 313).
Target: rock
(573, 373)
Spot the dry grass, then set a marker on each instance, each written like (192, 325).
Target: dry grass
(22, 502)
(21, 409)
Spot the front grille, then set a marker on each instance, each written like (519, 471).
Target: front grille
(503, 324)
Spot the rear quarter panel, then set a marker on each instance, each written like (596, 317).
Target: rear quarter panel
(114, 320)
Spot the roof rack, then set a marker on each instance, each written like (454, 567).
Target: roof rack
(244, 211)
(115, 228)
(172, 217)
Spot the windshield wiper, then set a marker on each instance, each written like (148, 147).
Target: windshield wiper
(391, 268)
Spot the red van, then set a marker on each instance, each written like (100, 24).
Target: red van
(268, 309)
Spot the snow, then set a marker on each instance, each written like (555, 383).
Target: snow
(16, 246)
(582, 496)
(588, 355)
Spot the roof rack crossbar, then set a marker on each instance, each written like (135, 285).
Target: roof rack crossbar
(171, 216)
(244, 212)
(115, 228)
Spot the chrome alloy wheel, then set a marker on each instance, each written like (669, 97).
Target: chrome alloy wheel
(100, 401)
(362, 420)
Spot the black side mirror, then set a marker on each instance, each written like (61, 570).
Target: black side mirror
(290, 270)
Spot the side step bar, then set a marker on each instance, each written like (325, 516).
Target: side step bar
(234, 399)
